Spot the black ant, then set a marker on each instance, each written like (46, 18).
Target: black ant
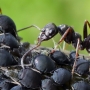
(68, 35)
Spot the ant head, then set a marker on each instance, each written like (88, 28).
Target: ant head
(49, 31)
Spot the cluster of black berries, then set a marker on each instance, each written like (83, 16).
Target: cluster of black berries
(23, 67)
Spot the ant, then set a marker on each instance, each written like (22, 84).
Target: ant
(68, 35)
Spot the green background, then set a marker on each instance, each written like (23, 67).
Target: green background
(42, 12)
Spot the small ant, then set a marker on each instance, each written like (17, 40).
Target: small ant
(68, 35)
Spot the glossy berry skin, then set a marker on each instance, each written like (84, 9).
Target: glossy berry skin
(82, 66)
(43, 63)
(60, 58)
(48, 84)
(8, 25)
(6, 59)
(19, 88)
(81, 85)
(72, 57)
(9, 40)
(61, 76)
(30, 78)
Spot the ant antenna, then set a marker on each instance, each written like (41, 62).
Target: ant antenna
(29, 27)
(62, 38)
(0, 11)
(19, 38)
(29, 51)
(76, 56)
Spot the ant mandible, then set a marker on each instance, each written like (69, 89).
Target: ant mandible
(68, 35)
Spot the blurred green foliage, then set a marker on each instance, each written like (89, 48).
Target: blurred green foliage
(42, 12)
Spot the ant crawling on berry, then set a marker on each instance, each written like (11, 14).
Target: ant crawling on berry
(68, 35)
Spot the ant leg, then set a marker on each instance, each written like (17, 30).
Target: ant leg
(55, 43)
(29, 51)
(62, 38)
(64, 45)
(77, 50)
(29, 27)
(85, 33)
(0, 11)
